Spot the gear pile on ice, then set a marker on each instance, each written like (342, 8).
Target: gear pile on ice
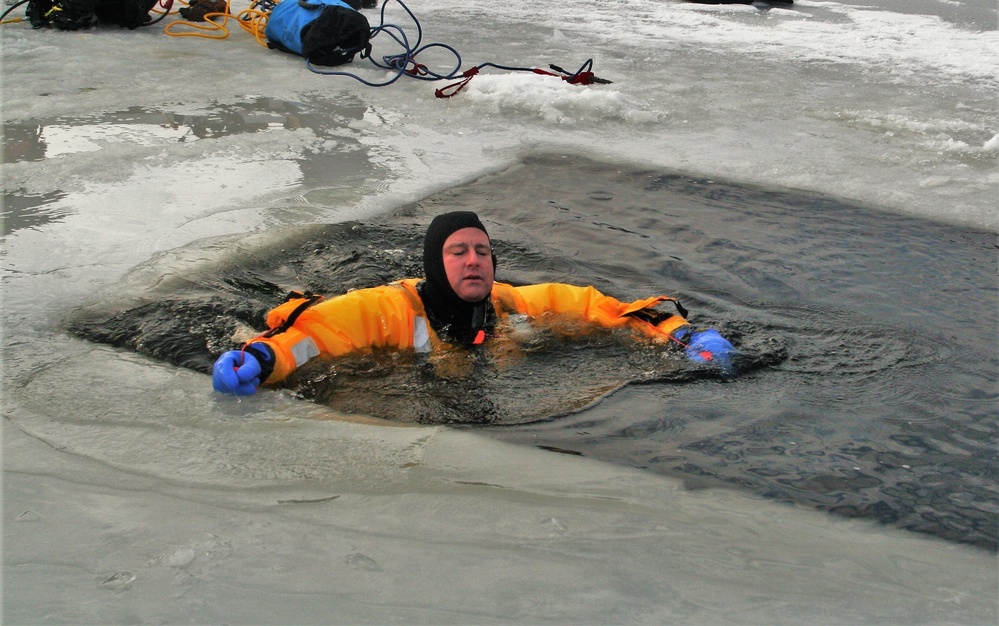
(326, 33)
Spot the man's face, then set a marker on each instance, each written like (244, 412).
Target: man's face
(468, 262)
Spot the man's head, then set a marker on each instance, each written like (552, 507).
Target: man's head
(458, 257)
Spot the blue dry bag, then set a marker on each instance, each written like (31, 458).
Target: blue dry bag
(325, 32)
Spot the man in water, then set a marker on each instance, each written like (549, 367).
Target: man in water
(458, 303)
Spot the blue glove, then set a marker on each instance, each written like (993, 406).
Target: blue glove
(236, 372)
(708, 346)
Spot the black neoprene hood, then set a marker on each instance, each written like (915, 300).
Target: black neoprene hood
(442, 227)
(448, 312)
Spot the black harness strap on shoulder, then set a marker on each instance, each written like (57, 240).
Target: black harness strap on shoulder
(655, 317)
(309, 299)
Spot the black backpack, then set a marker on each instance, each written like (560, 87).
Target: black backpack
(81, 14)
(335, 36)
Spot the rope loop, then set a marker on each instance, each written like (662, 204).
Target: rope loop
(445, 92)
(403, 63)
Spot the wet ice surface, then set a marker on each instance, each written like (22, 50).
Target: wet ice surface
(72, 150)
(468, 532)
(132, 494)
(890, 108)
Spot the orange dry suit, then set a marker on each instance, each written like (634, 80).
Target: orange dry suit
(394, 316)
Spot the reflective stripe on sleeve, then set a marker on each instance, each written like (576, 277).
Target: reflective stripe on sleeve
(421, 335)
(304, 350)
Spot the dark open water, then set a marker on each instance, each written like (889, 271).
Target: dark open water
(869, 339)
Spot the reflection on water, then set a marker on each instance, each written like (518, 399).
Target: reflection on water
(26, 210)
(869, 388)
(36, 140)
(58, 148)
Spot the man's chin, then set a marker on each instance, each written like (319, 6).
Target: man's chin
(474, 291)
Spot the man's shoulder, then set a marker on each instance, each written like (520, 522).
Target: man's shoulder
(409, 284)
(367, 297)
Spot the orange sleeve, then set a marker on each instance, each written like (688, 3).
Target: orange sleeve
(355, 321)
(591, 305)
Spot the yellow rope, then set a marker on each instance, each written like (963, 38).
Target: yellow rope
(206, 27)
(251, 20)
(255, 23)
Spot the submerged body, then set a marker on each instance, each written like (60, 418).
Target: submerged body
(457, 303)
(394, 316)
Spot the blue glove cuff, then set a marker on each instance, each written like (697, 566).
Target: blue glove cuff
(708, 346)
(683, 333)
(264, 355)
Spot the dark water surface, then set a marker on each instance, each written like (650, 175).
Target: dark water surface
(868, 339)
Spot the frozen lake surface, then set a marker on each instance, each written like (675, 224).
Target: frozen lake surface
(133, 161)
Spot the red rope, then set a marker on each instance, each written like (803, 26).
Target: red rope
(458, 86)
(580, 78)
